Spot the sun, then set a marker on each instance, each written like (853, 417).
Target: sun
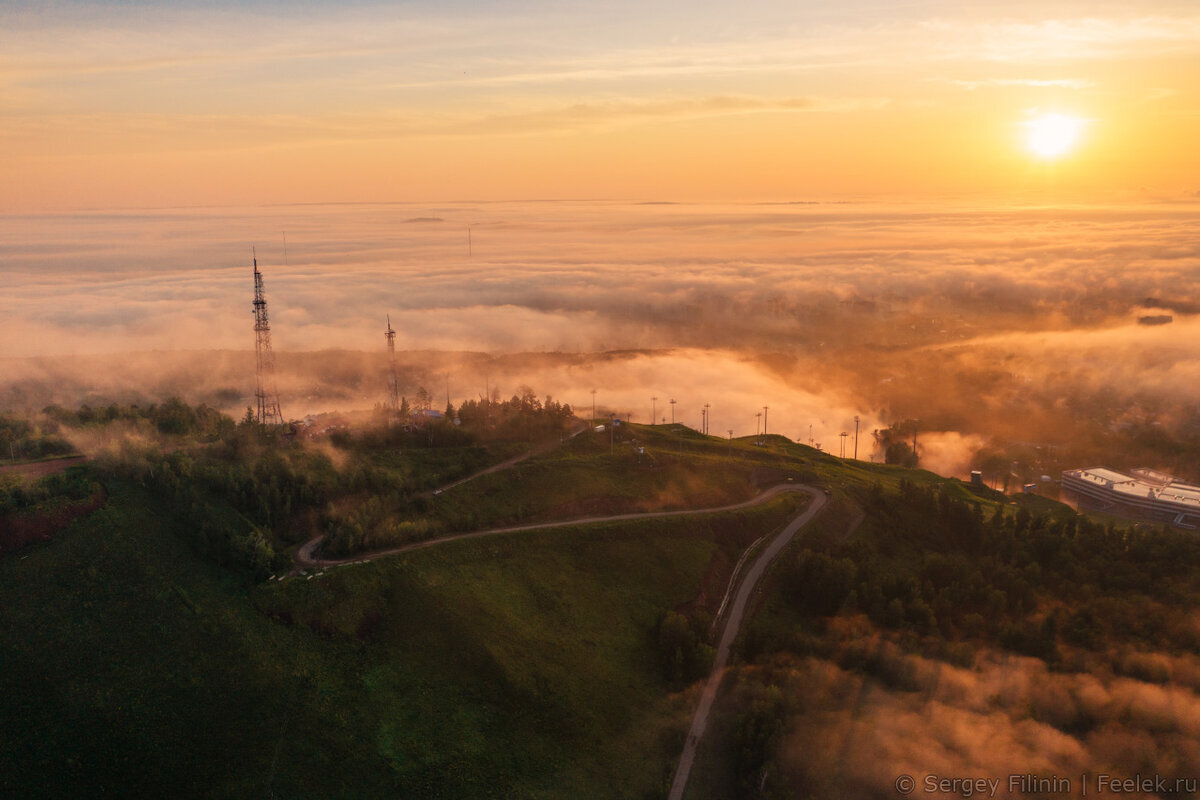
(1053, 135)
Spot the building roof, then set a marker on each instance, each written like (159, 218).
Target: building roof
(1164, 489)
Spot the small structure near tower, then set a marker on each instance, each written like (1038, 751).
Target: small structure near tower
(267, 396)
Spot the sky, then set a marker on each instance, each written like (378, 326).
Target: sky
(152, 105)
(836, 210)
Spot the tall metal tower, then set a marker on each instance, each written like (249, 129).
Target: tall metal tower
(266, 394)
(393, 401)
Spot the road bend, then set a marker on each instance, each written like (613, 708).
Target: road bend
(733, 625)
(306, 557)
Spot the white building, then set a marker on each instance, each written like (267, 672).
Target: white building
(1145, 493)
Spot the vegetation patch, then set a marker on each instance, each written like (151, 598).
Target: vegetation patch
(942, 611)
(521, 665)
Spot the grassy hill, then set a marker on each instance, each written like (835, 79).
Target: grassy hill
(142, 658)
(520, 666)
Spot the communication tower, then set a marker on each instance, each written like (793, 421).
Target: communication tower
(266, 394)
(393, 382)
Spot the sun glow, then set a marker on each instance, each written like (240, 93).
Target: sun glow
(1053, 135)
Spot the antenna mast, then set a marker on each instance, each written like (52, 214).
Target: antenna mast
(393, 381)
(265, 393)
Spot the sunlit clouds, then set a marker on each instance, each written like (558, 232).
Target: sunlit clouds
(822, 310)
(825, 198)
(107, 106)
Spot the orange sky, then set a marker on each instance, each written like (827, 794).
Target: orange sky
(147, 105)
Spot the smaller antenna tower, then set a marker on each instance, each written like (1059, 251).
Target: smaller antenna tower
(393, 382)
(265, 393)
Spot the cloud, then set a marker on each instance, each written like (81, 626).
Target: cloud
(980, 323)
(1064, 83)
(143, 133)
(1061, 40)
(1005, 715)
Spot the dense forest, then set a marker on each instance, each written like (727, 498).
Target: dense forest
(247, 492)
(930, 578)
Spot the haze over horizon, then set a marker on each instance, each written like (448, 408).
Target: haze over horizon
(875, 209)
(152, 104)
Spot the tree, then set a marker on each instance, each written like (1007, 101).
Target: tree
(894, 442)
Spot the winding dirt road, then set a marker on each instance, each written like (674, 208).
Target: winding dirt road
(305, 558)
(733, 626)
(742, 590)
(544, 447)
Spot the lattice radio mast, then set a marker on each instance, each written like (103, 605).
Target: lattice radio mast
(393, 381)
(266, 394)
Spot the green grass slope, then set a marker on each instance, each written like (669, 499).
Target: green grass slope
(516, 666)
(643, 472)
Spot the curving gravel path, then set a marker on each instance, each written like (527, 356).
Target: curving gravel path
(742, 590)
(733, 625)
(305, 557)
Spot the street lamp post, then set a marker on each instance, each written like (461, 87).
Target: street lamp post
(653, 409)
(672, 410)
(593, 406)
(856, 437)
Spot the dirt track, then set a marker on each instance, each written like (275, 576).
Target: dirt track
(40, 469)
(733, 625)
(305, 558)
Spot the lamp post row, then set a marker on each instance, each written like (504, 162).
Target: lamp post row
(760, 423)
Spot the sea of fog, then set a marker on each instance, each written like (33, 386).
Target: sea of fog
(819, 311)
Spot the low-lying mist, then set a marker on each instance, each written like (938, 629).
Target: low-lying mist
(1002, 716)
(992, 329)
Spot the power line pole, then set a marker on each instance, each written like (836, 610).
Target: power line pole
(653, 410)
(393, 382)
(764, 420)
(706, 420)
(856, 437)
(672, 410)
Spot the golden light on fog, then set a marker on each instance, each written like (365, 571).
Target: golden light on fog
(1053, 135)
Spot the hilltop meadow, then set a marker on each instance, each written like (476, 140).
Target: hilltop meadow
(158, 625)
